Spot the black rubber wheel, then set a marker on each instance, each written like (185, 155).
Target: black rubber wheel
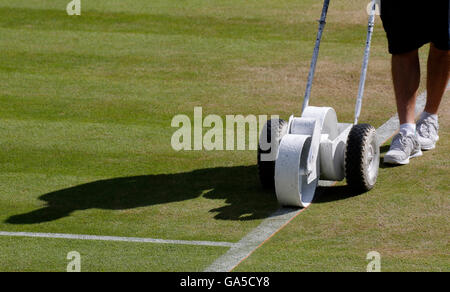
(266, 168)
(362, 158)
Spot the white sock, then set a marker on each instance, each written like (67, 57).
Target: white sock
(408, 128)
(425, 115)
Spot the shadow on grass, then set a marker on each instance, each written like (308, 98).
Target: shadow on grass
(334, 193)
(238, 186)
(384, 149)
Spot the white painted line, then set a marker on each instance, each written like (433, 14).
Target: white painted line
(115, 238)
(326, 183)
(273, 224)
(254, 239)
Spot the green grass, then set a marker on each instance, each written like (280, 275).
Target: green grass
(86, 105)
(405, 219)
(50, 255)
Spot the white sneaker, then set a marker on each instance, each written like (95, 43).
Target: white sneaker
(427, 128)
(403, 147)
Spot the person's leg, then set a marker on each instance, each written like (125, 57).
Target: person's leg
(427, 126)
(405, 38)
(437, 78)
(406, 77)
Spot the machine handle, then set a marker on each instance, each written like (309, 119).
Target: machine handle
(362, 80)
(312, 68)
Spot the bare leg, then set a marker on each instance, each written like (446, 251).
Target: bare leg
(437, 79)
(406, 77)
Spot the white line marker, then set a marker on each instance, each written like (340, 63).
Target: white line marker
(115, 238)
(270, 226)
(247, 245)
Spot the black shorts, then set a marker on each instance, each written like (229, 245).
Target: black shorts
(410, 24)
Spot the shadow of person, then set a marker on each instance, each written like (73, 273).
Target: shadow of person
(238, 186)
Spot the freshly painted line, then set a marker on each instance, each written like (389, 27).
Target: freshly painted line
(254, 239)
(326, 183)
(115, 238)
(277, 221)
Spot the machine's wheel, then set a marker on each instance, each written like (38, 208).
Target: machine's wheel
(362, 158)
(266, 158)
